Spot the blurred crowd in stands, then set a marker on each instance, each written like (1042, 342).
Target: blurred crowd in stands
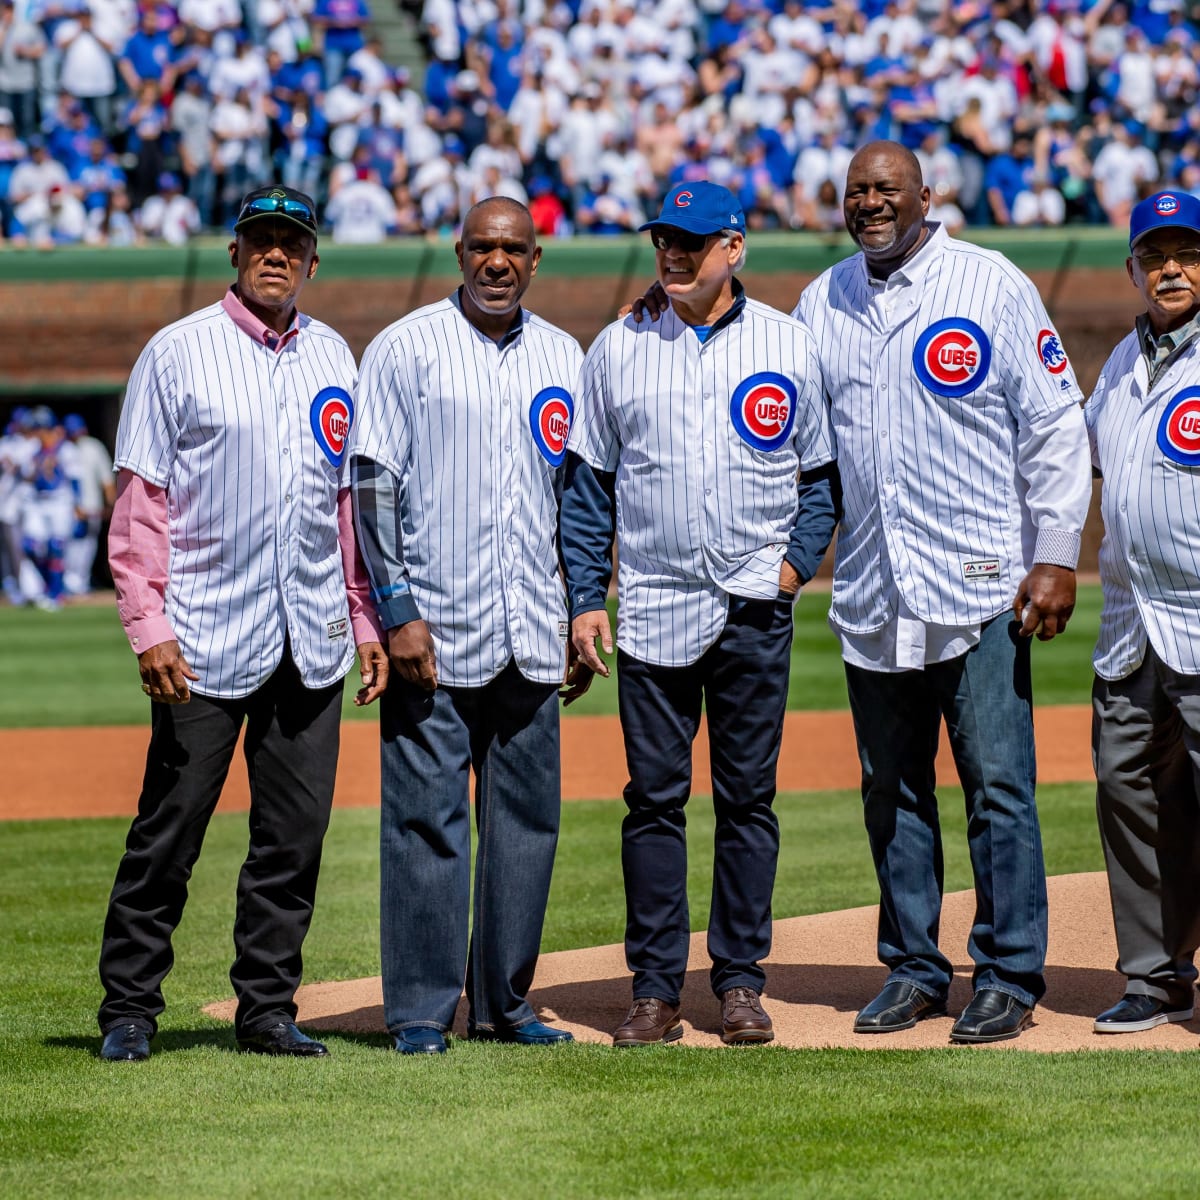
(121, 123)
(56, 489)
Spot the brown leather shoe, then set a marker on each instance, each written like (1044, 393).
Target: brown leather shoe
(743, 1021)
(650, 1021)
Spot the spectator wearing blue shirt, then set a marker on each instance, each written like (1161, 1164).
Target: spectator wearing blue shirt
(504, 59)
(303, 146)
(98, 175)
(1006, 176)
(148, 54)
(70, 138)
(12, 151)
(341, 24)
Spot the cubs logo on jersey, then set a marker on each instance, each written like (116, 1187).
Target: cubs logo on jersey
(331, 414)
(952, 357)
(763, 410)
(550, 422)
(1179, 429)
(1166, 205)
(1050, 351)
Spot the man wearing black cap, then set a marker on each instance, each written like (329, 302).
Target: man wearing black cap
(1143, 421)
(688, 437)
(238, 585)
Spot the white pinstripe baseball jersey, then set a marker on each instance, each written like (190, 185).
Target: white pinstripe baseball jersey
(474, 433)
(250, 445)
(706, 440)
(1146, 442)
(960, 441)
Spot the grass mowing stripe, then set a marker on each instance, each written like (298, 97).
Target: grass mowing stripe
(74, 667)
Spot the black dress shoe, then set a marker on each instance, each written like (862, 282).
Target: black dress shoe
(992, 1016)
(899, 1006)
(283, 1038)
(125, 1043)
(1135, 1012)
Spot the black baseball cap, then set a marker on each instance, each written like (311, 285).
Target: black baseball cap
(280, 203)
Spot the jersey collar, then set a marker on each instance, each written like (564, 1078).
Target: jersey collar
(510, 337)
(252, 327)
(914, 269)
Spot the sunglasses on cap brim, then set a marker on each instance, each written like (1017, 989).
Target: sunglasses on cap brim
(269, 206)
(663, 237)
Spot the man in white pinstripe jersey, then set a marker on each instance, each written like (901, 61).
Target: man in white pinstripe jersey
(232, 550)
(691, 435)
(1143, 419)
(464, 408)
(966, 486)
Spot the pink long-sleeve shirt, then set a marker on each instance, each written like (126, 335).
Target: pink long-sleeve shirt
(138, 540)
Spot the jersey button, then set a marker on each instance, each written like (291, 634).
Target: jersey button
(286, 450)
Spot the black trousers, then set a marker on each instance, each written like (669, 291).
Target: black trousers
(291, 750)
(742, 683)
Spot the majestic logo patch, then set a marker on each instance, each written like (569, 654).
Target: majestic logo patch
(763, 410)
(550, 422)
(952, 357)
(1166, 205)
(683, 200)
(981, 568)
(337, 629)
(1179, 429)
(331, 413)
(1050, 351)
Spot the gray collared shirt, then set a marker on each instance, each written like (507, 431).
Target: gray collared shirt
(1161, 350)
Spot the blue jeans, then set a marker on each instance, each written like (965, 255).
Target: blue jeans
(742, 681)
(507, 731)
(986, 699)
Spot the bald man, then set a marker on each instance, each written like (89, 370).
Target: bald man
(966, 481)
(457, 466)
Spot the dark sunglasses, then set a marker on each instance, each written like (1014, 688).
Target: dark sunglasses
(664, 237)
(266, 205)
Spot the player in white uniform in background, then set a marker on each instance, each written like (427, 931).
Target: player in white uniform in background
(690, 435)
(232, 550)
(49, 511)
(92, 470)
(1144, 422)
(463, 413)
(17, 448)
(965, 477)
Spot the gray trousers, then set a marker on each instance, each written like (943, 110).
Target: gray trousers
(1146, 751)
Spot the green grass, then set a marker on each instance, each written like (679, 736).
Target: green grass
(492, 1121)
(75, 668)
(586, 1121)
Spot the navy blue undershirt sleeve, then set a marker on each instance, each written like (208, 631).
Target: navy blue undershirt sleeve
(586, 528)
(820, 494)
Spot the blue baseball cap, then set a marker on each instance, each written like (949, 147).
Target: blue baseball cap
(74, 423)
(1163, 210)
(700, 207)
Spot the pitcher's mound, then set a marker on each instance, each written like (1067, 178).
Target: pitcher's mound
(821, 971)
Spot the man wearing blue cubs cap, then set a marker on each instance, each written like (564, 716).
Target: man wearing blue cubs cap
(1143, 421)
(694, 429)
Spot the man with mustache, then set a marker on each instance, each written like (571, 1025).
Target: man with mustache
(1143, 419)
(962, 453)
